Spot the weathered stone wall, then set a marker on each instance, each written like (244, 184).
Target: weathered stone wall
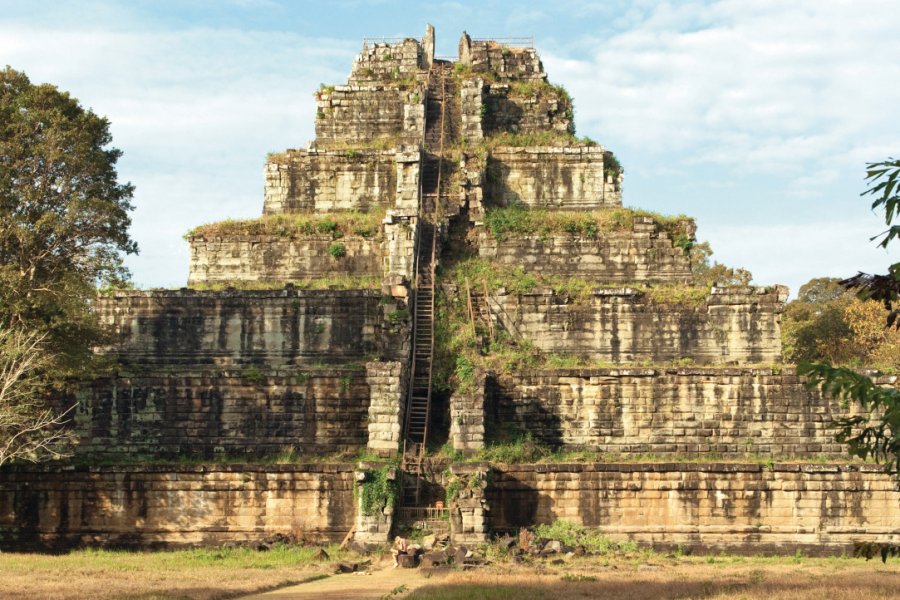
(388, 61)
(156, 506)
(692, 412)
(708, 507)
(739, 325)
(223, 413)
(645, 254)
(550, 177)
(387, 406)
(275, 258)
(266, 327)
(505, 62)
(508, 112)
(467, 417)
(351, 115)
(329, 180)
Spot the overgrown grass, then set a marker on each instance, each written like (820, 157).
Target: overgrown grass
(459, 350)
(572, 534)
(332, 282)
(537, 138)
(518, 221)
(334, 225)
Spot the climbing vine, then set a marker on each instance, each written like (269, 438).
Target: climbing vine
(378, 490)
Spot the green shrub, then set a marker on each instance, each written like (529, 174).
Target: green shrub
(378, 491)
(337, 250)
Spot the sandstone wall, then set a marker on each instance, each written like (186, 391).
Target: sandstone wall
(388, 61)
(357, 115)
(155, 506)
(275, 258)
(733, 326)
(688, 411)
(711, 507)
(507, 112)
(329, 180)
(550, 177)
(217, 413)
(266, 327)
(645, 254)
(506, 62)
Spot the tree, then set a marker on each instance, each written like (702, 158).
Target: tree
(63, 217)
(829, 323)
(876, 432)
(29, 430)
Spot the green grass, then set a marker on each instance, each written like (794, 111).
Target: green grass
(335, 225)
(511, 222)
(333, 282)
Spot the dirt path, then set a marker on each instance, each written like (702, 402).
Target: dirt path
(349, 586)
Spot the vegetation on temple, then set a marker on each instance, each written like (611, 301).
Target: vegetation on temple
(335, 225)
(517, 221)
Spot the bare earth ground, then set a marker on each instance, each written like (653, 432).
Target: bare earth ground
(226, 574)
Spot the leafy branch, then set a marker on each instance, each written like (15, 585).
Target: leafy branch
(876, 433)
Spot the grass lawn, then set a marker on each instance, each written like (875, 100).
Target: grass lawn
(641, 574)
(202, 574)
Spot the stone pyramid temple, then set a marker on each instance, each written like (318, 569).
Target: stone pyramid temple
(446, 318)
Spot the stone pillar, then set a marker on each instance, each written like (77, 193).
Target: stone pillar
(469, 507)
(428, 45)
(386, 406)
(409, 160)
(375, 527)
(467, 418)
(472, 110)
(465, 49)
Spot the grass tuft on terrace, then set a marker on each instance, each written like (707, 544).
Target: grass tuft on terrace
(295, 226)
(515, 221)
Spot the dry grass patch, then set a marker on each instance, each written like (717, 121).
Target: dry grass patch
(196, 574)
(750, 579)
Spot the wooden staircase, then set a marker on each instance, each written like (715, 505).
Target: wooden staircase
(418, 407)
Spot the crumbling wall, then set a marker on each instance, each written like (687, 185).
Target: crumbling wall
(146, 506)
(740, 325)
(360, 115)
(329, 180)
(239, 413)
(550, 177)
(691, 412)
(501, 60)
(275, 258)
(751, 508)
(389, 61)
(644, 254)
(265, 327)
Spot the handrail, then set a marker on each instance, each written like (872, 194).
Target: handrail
(518, 42)
(386, 40)
(433, 265)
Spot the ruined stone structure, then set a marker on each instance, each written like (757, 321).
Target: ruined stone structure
(311, 333)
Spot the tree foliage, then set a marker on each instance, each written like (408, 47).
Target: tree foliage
(63, 216)
(876, 432)
(828, 323)
(708, 272)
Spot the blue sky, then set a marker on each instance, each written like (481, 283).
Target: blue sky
(755, 117)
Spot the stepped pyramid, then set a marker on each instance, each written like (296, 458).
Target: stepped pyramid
(447, 264)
